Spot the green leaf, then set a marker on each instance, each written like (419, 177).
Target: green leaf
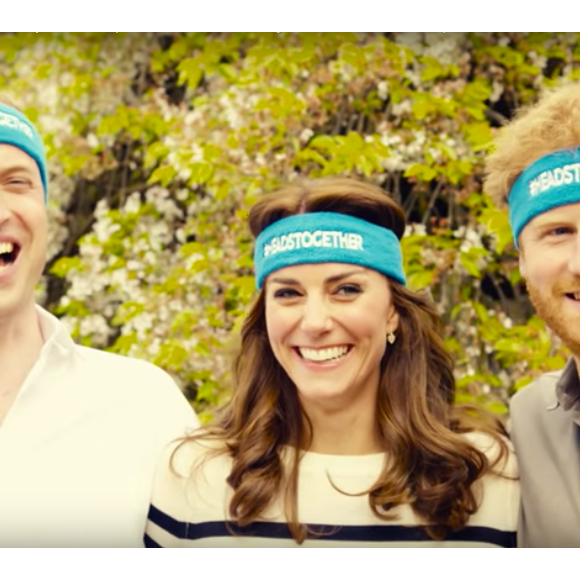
(163, 175)
(420, 279)
(126, 312)
(468, 380)
(422, 172)
(498, 408)
(477, 91)
(65, 264)
(208, 391)
(31, 113)
(422, 107)
(433, 70)
(515, 276)
(455, 311)
(155, 152)
(476, 113)
(323, 142)
(171, 355)
(479, 135)
(246, 261)
(469, 265)
(354, 141)
(185, 322)
(497, 223)
(523, 382)
(245, 286)
(124, 343)
(481, 311)
(200, 173)
(447, 150)
(508, 345)
(556, 51)
(190, 72)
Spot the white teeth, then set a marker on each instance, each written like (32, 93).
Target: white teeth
(576, 295)
(323, 354)
(6, 247)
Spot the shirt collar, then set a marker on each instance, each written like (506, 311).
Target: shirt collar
(568, 387)
(54, 333)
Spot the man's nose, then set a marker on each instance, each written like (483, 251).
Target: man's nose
(574, 261)
(4, 207)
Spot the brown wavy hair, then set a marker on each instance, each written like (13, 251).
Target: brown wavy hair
(430, 465)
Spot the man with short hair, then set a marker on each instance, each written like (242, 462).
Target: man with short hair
(535, 168)
(81, 430)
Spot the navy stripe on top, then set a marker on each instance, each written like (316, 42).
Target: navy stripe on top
(368, 534)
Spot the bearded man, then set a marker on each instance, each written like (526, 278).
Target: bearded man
(535, 169)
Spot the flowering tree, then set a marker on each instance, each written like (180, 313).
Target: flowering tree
(158, 143)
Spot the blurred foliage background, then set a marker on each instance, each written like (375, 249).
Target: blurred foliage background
(159, 142)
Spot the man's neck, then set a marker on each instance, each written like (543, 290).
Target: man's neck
(20, 345)
(20, 332)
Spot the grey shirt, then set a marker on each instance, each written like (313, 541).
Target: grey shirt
(545, 419)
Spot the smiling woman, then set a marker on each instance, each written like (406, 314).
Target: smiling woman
(342, 430)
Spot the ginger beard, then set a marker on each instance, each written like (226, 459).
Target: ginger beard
(549, 309)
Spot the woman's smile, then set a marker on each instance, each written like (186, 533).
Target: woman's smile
(324, 359)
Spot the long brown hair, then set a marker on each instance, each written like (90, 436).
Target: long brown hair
(429, 464)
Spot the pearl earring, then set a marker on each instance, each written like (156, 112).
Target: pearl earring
(391, 337)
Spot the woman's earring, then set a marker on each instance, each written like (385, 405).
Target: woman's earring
(391, 337)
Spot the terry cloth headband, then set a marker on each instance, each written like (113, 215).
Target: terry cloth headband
(17, 130)
(314, 238)
(549, 182)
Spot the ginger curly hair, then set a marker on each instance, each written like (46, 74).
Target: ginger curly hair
(4, 100)
(550, 124)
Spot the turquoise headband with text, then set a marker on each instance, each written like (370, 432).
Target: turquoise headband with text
(549, 182)
(17, 130)
(318, 237)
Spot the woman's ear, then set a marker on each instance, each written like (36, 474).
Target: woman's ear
(393, 320)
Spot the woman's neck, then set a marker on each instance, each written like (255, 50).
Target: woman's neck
(349, 430)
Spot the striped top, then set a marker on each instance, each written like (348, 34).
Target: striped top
(191, 512)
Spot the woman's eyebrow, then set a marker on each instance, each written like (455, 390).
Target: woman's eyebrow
(335, 278)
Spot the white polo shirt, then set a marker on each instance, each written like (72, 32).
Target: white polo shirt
(79, 446)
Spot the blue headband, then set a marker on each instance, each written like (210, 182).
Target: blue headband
(549, 182)
(314, 238)
(17, 130)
